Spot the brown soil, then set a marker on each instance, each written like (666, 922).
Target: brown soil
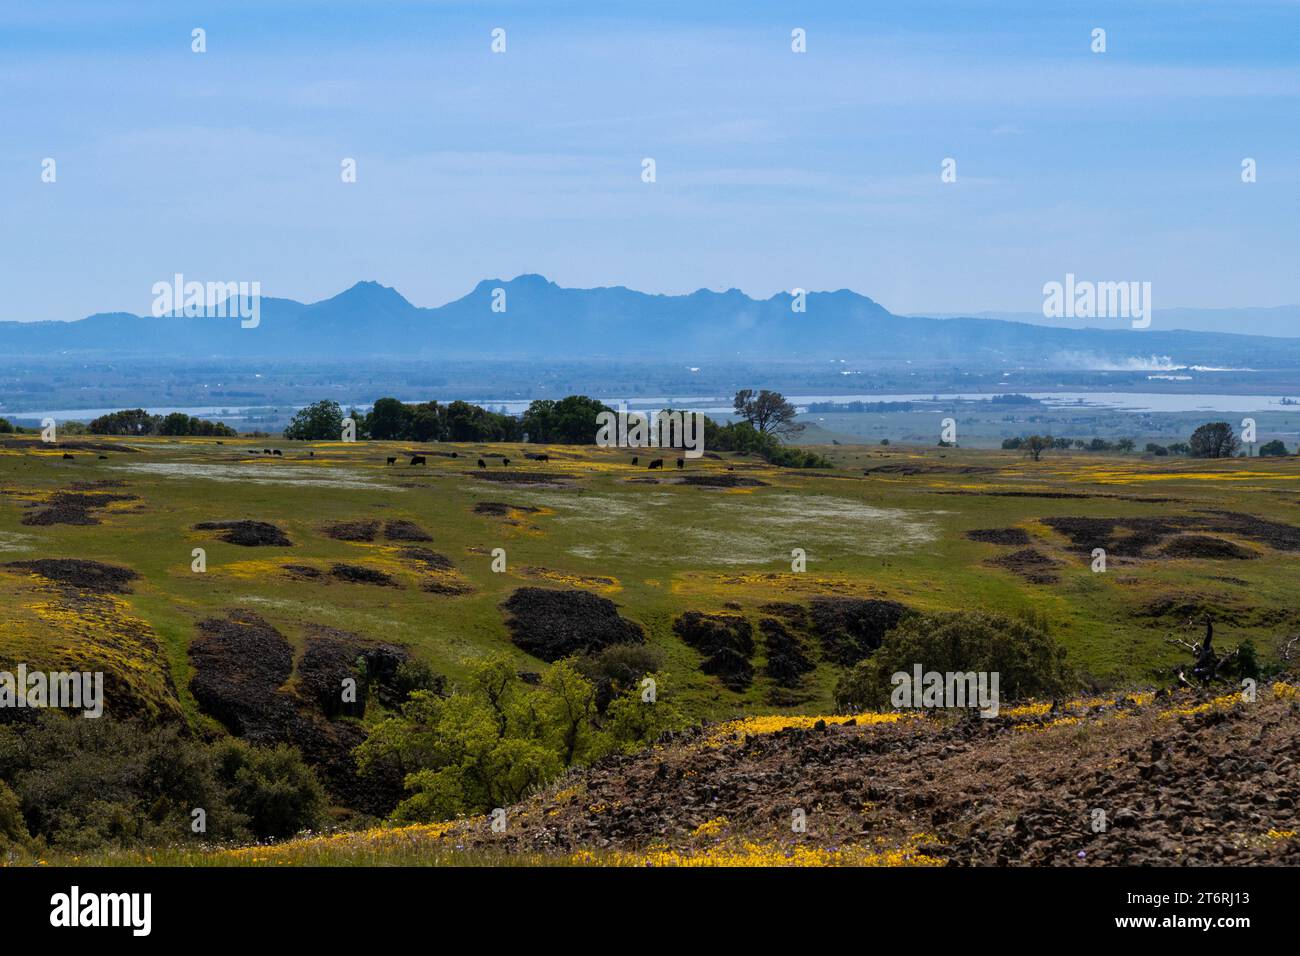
(1280, 537)
(249, 534)
(791, 613)
(363, 530)
(428, 559)
(303, 571)
(21, 443)
(1176, 608)
(81, 574)
(403, 530)
(787, 658)
(929, 469)
(725, 640)
(331, 656)
(1203, 546)
(523, 477)
(241, 665)
(1034, 566)
(849, 629)
(499, 509)
(1008, 536)
(721, 481)
(1140, 537)
(554, 624)
(359, 574)
(71, 507)
(1176, 790)
(98, 485)
(1072, 495)
(450, 588)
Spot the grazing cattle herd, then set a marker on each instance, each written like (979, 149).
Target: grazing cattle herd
(423, 459)
(530, 456)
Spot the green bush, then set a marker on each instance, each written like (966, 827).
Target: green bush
(321, 421)
(272, 786)
(494, 741)
(797, 458)
(618, 669)
(1028, 661)
(86, 784)
(1214, 440)
(13, 828)
(1246, 663)
(413, 675)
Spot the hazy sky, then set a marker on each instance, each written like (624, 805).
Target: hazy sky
(775, 169)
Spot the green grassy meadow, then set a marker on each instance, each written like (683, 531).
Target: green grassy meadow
(656, 549)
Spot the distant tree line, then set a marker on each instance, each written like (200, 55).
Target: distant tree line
(765, 418)
(568, 421)
(136, 421)
(1212, 440)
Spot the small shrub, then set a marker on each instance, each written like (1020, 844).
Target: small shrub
(13, 828)
(1028, 661)
(272, 786)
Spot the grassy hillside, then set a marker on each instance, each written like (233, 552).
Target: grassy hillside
(648, 540)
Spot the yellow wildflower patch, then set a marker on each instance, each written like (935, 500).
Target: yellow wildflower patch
(605, 584)
(710, 827)
(377, 838)
(771, 723)
(750, 854)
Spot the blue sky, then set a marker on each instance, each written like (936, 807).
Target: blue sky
(775, 170)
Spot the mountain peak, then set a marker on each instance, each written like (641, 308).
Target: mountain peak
(370, 291)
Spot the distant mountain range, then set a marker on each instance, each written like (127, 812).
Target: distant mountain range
(1281, 321)
(544, 321)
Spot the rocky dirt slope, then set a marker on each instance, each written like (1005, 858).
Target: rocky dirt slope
(1147, 779)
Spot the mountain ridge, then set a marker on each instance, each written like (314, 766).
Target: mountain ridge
(533, 317)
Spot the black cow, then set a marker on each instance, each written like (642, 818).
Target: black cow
(266, 451)
(681, 462)
(418, 460)
(277, 452)
(657, 463)
(635, 460)
(392, 461)
(455, 454)
(103, 458)
(505, 462)
(482, 463)
(67, 456)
